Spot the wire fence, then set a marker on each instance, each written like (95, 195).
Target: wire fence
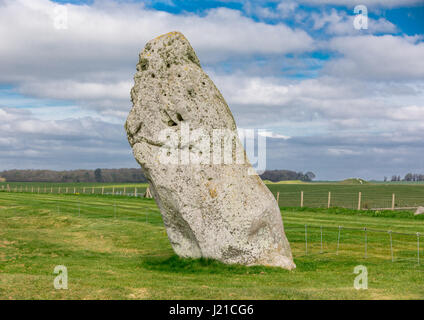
(311, 199)
(355, 242)
(102, 190)
(349, 200)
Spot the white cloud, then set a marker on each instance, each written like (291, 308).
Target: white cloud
(104, 37)
(408, 113)
(73, 90)
(342, 152)
(340, 23)
(93, 61)
(370, 3)
(29, 142)
(273, 135)
(385, 58)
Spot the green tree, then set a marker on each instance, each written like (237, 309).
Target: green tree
(98, 175)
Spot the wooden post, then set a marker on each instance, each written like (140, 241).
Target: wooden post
(301, 199)
(124, 191)
(359, 200)
(278, 198)
(83, 190)
(393, 201)
(103, 190)
(58, 190)
(147, 194)
(113, 191)
(92, 190)
(75, 191)
(135, 192)
(329, 200)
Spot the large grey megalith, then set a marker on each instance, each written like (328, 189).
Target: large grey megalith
(210, 209)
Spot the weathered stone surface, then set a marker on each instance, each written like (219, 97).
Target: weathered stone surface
(215, 211)
(420, 210)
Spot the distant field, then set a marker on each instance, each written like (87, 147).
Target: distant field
(117, 248)
(374, 195)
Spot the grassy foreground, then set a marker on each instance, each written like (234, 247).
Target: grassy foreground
(117, 248)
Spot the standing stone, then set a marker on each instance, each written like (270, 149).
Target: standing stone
(220, 211)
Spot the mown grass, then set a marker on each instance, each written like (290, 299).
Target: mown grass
(117, 248)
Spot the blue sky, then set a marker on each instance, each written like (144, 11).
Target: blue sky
(340, 102)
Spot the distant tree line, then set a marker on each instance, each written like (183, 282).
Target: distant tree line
(98, 175)
(120, 175)
(282, 175)
(408, 177)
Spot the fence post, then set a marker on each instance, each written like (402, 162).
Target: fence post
(391, 244)
(75, 190)
(329, 200)
(135, 192)
(278, 198)
(59, 190)
(103, 190)
(366, 242)
(338, 241)
(306, 239)
(301, 199)
(359, 200)
(92, 190)
(393, 201)
(125, 191)
(83, 190)
(113, 191)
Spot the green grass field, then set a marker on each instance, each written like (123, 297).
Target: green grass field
(117, 248)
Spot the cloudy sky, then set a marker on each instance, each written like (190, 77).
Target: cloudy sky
(340, 102)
